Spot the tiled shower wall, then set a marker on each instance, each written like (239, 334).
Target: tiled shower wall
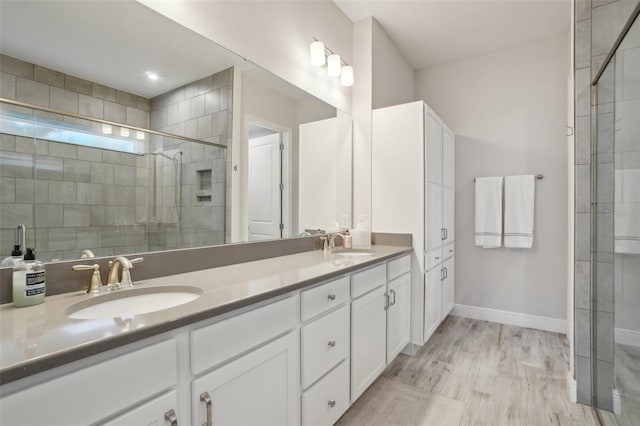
(76, 197)
(598, 24)
(200, 110)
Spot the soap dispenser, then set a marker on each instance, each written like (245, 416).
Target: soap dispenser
(16, 253)
(29, 280)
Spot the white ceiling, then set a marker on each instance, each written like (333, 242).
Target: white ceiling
(114, 43)
(429, 32)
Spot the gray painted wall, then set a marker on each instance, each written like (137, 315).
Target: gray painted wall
(508, 110)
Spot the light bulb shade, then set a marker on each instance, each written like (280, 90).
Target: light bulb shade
(316, 52)
(333, 65)
(346, 78)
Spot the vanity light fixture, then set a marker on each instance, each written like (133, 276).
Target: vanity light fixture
(140, 135)
(317, 53)
(336, 67)
(346, 78)
(152, 75)
(106, 129)
(124, 132)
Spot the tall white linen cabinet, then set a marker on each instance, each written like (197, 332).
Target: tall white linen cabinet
(413, 192)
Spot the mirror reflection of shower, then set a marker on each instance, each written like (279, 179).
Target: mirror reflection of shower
(175, 157)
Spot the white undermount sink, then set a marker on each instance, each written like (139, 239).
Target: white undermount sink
(135, 301)
(353, 252)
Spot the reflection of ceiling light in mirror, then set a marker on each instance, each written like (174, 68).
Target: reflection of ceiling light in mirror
(106, 129)
(333, 65)
(152, 75)
(140, 135)
(317, 53)
(346, 78)
(124, 132)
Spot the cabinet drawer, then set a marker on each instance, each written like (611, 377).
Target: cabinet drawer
(433, 258)
(324, 297)
(325, 342)
(150, 413)
(328, 399)
(448, 251)
(365, 281)
(397, 267)
(89, 395)
(213, 344)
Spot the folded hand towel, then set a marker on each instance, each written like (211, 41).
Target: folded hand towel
(489, 212)
(519, 202)
(627, 211)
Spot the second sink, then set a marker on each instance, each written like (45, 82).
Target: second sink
(136, 301)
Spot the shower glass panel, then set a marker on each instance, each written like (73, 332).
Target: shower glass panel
(79, 184)
(616, 209)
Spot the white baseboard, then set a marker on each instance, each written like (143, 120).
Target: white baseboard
(511, 318)
(572, 387)
(627, 337)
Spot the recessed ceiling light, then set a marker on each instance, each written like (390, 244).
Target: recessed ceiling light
(152, 75)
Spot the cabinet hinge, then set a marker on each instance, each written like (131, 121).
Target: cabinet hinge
(282, 226)
(282, 187)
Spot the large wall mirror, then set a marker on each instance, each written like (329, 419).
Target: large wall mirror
(123, 132)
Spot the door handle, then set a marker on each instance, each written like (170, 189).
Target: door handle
(207, 401)
(446, 273)
(386, 301)
(446, 233)
(393, 292)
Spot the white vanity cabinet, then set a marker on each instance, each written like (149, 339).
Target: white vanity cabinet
(94, 393)
(260, 388)
(380, 320)
(154, 412)
(413, 191)
(255, 379)
(325, 343)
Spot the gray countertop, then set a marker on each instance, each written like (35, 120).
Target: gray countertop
(37, 338)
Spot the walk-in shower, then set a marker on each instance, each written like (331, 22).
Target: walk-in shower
(615, 170)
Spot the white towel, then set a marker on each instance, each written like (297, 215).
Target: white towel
(627, 211)
(489, 212)
(519, 202)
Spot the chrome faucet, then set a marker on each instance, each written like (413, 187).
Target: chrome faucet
(332, 240)
(120, 272)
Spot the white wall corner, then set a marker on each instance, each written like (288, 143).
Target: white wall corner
(555, 325)
(572, 387)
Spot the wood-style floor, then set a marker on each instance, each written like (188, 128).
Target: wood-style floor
(475, 373)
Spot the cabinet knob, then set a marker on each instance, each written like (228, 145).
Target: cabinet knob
(331, 296)
(331, 403)
(171, 417)
(437, 258)
(332, 343)
(450, 251)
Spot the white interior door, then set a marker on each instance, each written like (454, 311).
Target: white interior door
(264, 192)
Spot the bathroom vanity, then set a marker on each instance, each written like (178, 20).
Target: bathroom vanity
(287, 340)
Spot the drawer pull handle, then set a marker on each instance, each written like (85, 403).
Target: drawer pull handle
(331, 297)
(332, 343)
(171, 417)
(207, 400)
(331, 403)
(393, 300)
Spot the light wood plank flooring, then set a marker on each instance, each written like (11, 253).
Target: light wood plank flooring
(475, 373)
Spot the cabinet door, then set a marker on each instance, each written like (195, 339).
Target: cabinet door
(432, 301)
(433, 209)
(398, 315)
(368, 340)
(261, 388)
(433, 151)
(448, 214)
(157, 412)
(448, 158)
(448, 287)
